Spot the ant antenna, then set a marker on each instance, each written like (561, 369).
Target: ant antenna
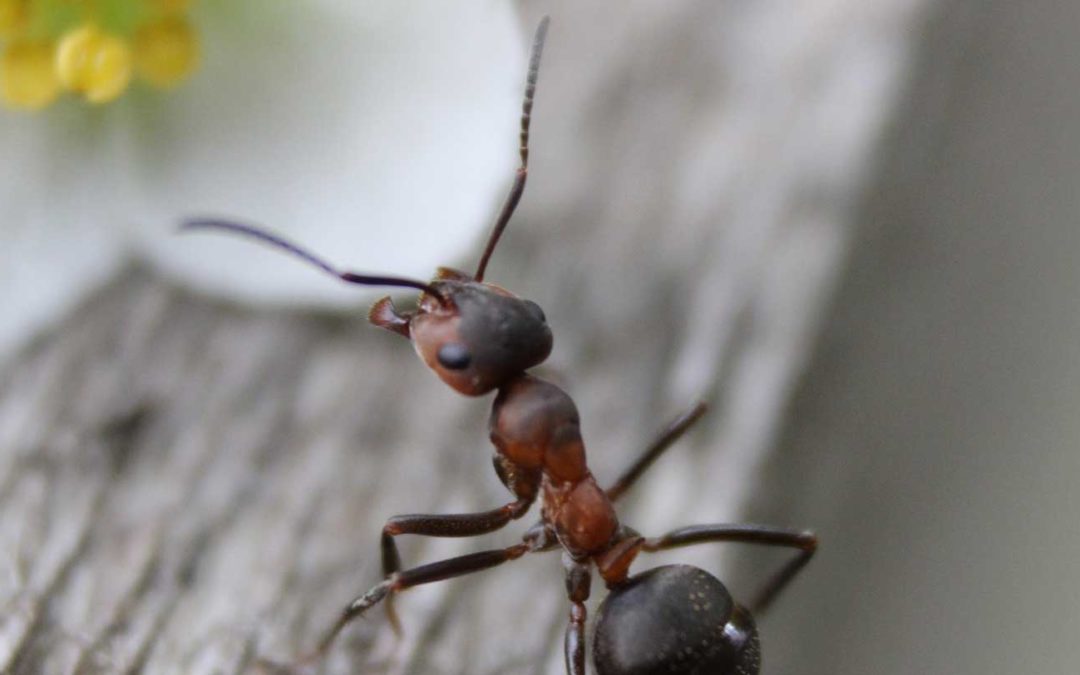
(289, 247)
(519, 181)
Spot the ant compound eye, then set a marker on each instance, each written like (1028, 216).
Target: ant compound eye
(535, 311)
(454, 356)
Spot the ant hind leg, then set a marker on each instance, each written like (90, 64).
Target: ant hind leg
(804, 541)
(664, 440)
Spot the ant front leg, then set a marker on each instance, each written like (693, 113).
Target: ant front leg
(806, 543)
(438, 525)
(434, 525)
(524, 484)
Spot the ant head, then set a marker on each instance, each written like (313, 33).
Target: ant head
(474, 335)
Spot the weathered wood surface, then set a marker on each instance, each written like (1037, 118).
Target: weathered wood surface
(186, 484)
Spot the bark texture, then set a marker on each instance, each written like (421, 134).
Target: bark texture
(186, 484)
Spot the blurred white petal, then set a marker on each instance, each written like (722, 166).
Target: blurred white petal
(60, 189)
(381, 135)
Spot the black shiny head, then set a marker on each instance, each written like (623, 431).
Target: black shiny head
(480, 337)
(674, 619)
(474, 335)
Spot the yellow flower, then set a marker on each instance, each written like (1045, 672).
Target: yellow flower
(93, 64)
(28, 78)
(166, 51)
(98, 48)
(13, 17)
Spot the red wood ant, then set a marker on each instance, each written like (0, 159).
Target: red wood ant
(478, 338)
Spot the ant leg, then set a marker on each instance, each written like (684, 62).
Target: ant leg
(461, 525)
(806, 543)
(417, 576)
(674, 430)
(541, 537)
(578, 583)
(441, 525)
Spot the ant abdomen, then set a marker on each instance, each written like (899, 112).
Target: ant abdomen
(674, 619)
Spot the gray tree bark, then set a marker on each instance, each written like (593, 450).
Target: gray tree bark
(186, 485)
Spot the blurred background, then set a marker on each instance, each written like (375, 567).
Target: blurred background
(848, 225)
(933, 440)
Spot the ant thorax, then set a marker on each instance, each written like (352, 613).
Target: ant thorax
(536, 432)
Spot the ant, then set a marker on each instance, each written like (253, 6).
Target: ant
(479, 338)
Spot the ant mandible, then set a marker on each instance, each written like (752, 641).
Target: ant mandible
(478, 338)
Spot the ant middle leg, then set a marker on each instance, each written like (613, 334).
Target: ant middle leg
(664, 440)
(402, 580)
(578, 585)
(804, 541)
